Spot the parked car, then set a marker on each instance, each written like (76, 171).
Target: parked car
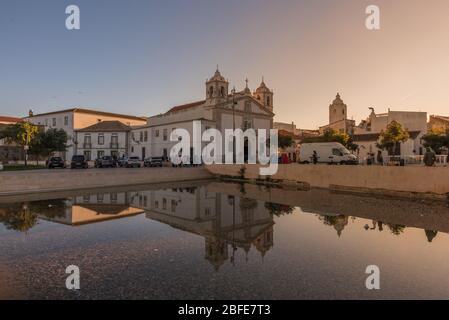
(55, 162)
(104, 162)
(153, 162)
(327, 152)
(79, 161)
(129, 162)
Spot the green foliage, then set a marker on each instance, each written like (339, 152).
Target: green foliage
(436, 140)
(392, 136)
(331, 135)
(47, 142)
(20, 133)
(285, 141)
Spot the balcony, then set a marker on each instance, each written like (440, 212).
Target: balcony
(87, 145)
(114, 145)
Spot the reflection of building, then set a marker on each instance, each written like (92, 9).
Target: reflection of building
(227, 223)
(90, 208)
(9, 151)
(339, 222)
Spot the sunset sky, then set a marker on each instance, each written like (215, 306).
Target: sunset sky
(142, 57)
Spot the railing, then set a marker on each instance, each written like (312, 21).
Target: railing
(114, 145)
(441, 160)
(87, 145)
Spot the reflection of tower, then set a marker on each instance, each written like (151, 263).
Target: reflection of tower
(264, 242)
(340, 223)
(216, 251)
(430, 234)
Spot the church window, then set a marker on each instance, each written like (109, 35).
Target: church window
(268, 101)
(258, 97)
(211, 91)
(222, 93)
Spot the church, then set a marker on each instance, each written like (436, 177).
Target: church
(221, 109)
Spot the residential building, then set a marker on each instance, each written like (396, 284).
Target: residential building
(79, 118)
(438, 123)
(367, 133)
(105, 138)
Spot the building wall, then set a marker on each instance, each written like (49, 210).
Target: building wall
(438, 124)
(106, 147)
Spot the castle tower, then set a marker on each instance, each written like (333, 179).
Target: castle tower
(338, 111)
(216, 88)
(264, 95)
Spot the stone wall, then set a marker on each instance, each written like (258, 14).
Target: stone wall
(408, 179)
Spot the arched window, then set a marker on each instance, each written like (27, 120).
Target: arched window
(211, 91)
(258, 97)
(222, 91)
(268, 101)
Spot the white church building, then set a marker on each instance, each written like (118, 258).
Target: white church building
(221, 109)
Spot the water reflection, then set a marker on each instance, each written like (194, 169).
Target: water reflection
(230, 216)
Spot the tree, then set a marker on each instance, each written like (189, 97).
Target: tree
(21, 133)
(391, 138)
(47, 142)
(436, 140)
(330, 135)
(285, 141)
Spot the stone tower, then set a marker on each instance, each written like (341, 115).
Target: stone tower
(216, 88)
(338, 111)
(264, 95)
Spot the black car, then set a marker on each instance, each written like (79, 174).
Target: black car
(55, 162)
(105, 162)
(153, 162)
(79, 161)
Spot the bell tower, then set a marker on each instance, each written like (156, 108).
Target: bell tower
(338, 111)
(264, 95)
(216, 88)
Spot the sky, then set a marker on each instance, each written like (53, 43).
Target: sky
(142, 57)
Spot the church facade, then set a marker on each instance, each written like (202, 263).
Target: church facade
(220, 109)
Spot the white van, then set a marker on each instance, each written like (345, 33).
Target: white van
(328, 152)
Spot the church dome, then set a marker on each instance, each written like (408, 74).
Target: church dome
(217, 76)
(262, 88)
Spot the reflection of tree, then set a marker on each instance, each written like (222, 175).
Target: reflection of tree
(48, 208)
(278, 209)
(18, 217)
(430, 234)
(396, 229)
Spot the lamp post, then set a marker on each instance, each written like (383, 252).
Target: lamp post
(233, 124)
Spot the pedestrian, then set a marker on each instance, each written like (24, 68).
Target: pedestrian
(429, 157)
(380, 158)
(315, 157)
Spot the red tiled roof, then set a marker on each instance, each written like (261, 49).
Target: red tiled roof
(106, 126)
(10, 119)
(186, 106)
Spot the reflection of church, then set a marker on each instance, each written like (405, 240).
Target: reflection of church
(227, 223)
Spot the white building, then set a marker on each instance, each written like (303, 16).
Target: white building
(220, 109)
(78, 118)
(105, 138)
(367, 133)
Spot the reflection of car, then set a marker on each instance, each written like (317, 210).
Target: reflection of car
(105, 162)
(55, 162)
(153, 162)
(129, 162)
(79, 161)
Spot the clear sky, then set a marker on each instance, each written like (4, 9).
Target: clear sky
(142, 56)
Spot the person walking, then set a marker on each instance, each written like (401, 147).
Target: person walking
(314, 157)
(430, 157)
(380, 158)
